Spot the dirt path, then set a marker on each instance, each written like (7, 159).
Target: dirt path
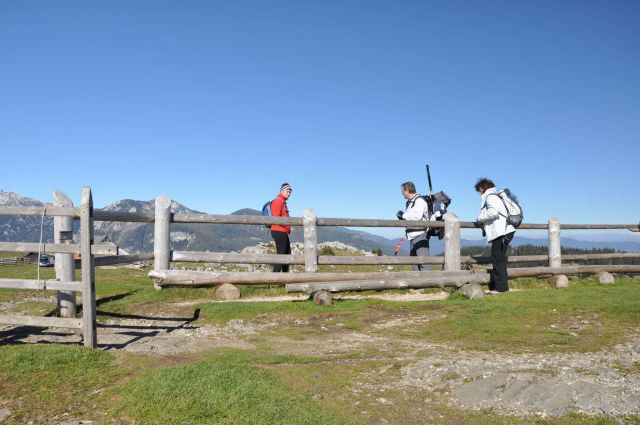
(605, 382)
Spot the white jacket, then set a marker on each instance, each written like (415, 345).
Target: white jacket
(417, 209)
(493, 215)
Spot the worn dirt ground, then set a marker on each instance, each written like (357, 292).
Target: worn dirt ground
(605, 382)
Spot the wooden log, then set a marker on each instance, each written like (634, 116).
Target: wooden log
(236, 219)
(310, 241)
(52, 248)
(161, 234)
(545, 258)
(51, 211)
(88, 270)
(451, 242)
(378, 260)
(64, 263)
(195, 278)
(123, 216)
(44, 322)
(358, 222)
(390, 283)
(235, 258)
(54, 285)
(555, 258)
(122, 259)
(571, 270)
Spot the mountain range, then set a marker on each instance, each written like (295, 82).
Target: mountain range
(138, 237)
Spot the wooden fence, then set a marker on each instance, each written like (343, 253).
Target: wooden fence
(456, 269)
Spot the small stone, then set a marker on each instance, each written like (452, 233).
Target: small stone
(605, 278)
(322, 298)
(471, 291)
(559, 281)
(4, 414)
(227, 291)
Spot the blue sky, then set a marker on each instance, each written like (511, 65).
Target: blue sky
(215, 104)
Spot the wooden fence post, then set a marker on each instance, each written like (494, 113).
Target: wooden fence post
(161, 234)
(88, 271)
(451, 242)
(309, 221)
(64, 263)
(555, 256)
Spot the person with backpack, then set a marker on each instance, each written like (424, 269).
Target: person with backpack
(497, 228)
(416, 209)
(280, 234)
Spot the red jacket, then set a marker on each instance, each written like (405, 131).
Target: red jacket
(279, 209)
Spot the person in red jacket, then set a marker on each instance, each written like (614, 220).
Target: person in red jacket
(280, 234)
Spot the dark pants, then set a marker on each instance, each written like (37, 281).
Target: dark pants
(499, 278)
(283, 246)
(419, 248)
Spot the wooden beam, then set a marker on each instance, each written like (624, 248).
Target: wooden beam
(64, 263)
(55, 285)
(53, 248)
(43, 322)
(390, 283)
(310, 241)
(195, 278)
(451, 242)
(51, 211)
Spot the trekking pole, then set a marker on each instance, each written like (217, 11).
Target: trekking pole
(395, 251)
(429, 178)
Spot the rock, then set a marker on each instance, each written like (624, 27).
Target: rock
(560, 281)
(322, 298)
(4, 414)
(227, 291)
(605, 278)
(471, 290)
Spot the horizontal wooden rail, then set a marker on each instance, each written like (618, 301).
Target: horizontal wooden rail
(49, 211)
(52, 248)
(196, 278)
(123, 216)
(51, 285)
(235, 258)
(44, 322)
(120, 259)
(390, 283)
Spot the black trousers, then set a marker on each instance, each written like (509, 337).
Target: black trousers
(283, 246)
(499, 278)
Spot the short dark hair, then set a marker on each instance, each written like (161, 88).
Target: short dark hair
(409, 187)
(484, 184)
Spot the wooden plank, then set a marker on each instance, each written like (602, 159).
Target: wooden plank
(88, 270)
(43, 322)
(359, 222)
(381, 260)
(123, 216)
(121, 259)
(451, 242)
(235, 258)
(51, 211)
(53, 248)
(195, 278)
(309, 221)
(391, 283)
(55, 285)
(542, 271)
(236, 219)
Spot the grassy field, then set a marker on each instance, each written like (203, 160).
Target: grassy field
(273, 383)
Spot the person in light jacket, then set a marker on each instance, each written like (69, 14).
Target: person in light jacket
(493, 220)
(416, 209)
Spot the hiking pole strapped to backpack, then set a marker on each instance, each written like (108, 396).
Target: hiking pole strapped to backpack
(437, 203)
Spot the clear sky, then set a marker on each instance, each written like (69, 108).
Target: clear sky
(215, 104)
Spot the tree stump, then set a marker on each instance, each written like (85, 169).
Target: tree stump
(322, 298)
